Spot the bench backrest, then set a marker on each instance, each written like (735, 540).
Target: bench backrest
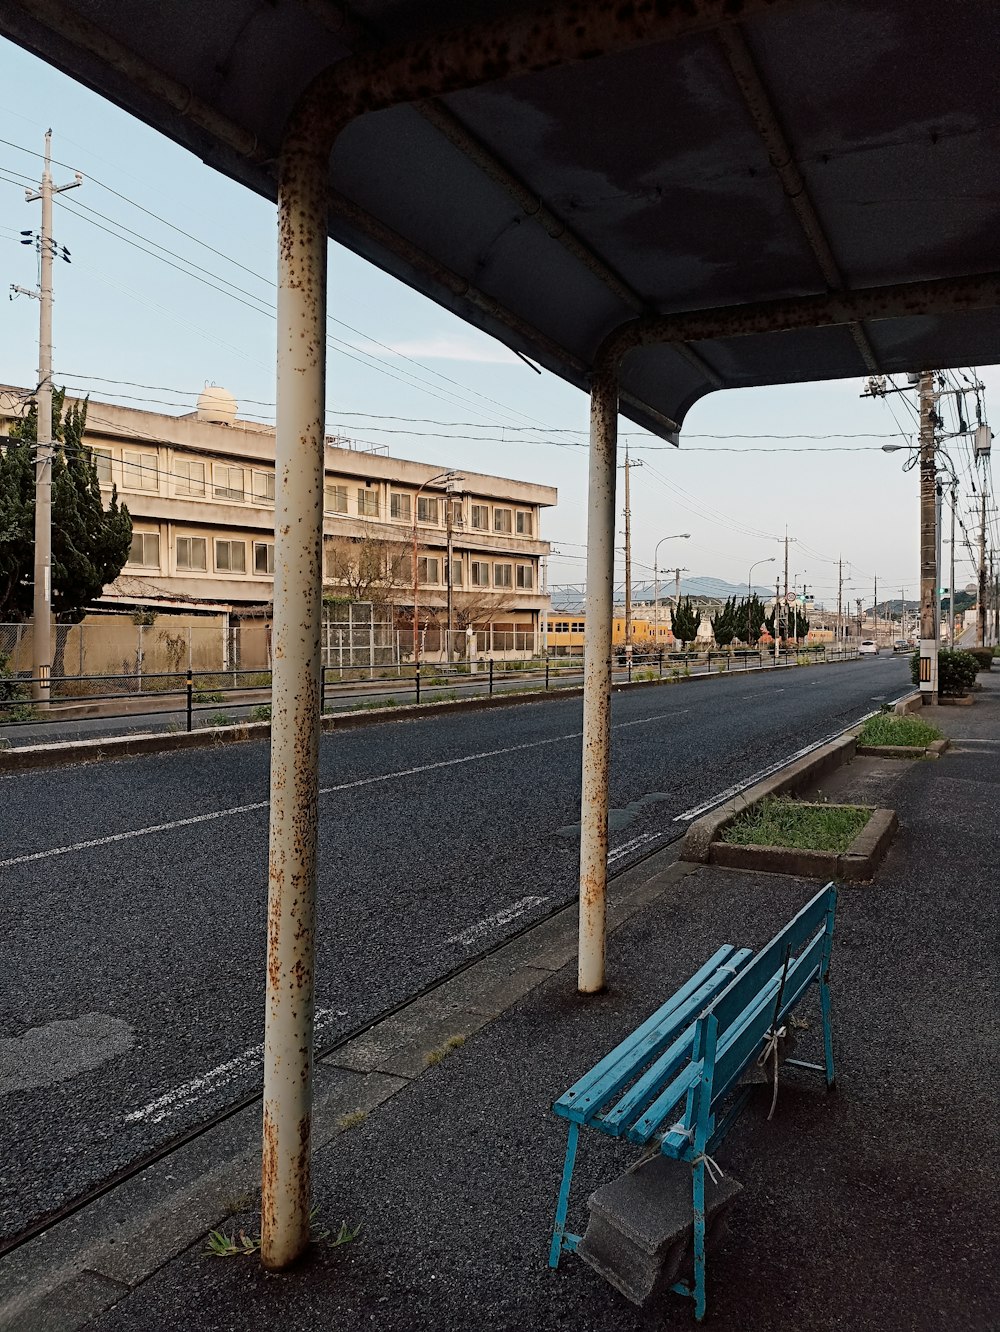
(732, 1029)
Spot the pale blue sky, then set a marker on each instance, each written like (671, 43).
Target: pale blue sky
(125, 315)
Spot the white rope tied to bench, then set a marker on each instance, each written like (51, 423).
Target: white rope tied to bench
(771, 1042)
(715, 1171)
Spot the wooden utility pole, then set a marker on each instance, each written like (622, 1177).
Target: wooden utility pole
(928, 542)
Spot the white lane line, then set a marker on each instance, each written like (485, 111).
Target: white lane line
(633, 844)
(326, 790)
(179, 1098)
(494, 922)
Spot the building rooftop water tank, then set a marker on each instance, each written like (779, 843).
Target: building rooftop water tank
(216, 405)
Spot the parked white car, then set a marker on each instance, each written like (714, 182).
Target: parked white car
(869, 645)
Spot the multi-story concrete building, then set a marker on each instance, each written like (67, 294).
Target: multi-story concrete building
(200, 489)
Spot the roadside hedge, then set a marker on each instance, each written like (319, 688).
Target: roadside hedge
(957, 671)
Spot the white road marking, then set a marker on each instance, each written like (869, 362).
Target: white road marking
(179, 1098)
(494, 922)
(326, 790)
(626, 848)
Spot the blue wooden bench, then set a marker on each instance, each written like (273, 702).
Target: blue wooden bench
(666, 1084)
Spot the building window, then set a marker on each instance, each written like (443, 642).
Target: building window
(335, 499)
(502, 520)
(145, 550)
(401, 569)
(455, 514)
(263, 487)
(480, 573)
(139, 471)
(427, 509)
(400, 507)
(456, 573)
(559, 627)
(192, 553)
(503, 575)
(367, 503)
(428, 570)
(577, 627)
(227, 482)
(525, 577)
(189, 477)
(525, 522)
(102, 462)
(263, 557)
(481, 517)
(231, 556)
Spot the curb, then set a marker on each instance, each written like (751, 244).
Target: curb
(66, 752)
(857, 864)
(934, 750)
(803, 772)
(911, 703)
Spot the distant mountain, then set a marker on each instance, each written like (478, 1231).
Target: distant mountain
(699, 586)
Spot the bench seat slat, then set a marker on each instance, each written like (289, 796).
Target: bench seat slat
(616, 1070)
(620, 1117)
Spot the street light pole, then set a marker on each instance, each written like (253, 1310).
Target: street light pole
(675, 536)
(771, 559)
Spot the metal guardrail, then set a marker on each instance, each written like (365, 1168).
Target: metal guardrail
(198, 692)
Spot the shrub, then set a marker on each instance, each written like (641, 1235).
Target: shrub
(983, 655)
(261, 713)
(957, 671)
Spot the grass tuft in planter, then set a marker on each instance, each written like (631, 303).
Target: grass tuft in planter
(778, 822)
(887, 729)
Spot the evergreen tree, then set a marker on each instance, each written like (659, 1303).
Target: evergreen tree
(685, 622)
(90, 544)
(724, 626)
(750, 620)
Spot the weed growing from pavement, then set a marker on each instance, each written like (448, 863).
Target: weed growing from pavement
(804, 827)
(221, 719)
(241, 1242)
(352, 1119)
(437, 1056)
(261, 713)
(888, 729)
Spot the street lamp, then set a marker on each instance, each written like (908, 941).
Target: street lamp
(675, 536)
(770, 559)
(431, 480)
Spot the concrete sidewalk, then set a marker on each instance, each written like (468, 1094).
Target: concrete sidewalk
(873, 1207)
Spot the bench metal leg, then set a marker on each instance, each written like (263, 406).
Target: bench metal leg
(698, 1200)
(824, 1000)
(563, 1204)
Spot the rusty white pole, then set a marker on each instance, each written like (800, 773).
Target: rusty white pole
(597, 675)
(298, 523)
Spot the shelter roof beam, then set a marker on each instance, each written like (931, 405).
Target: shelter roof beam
(769, 128)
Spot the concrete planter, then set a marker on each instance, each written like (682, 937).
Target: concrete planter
(934, 750)
(854, 865)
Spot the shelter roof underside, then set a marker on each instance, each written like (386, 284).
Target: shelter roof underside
(817, 146)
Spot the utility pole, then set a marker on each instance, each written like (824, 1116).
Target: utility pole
(902, 612)
(777, 612)
(875, 610)
(628, 557)
(928, 541)
(840, 603)
(981, 595)
(951, 577)
(787, 539)
(544, 589)
(41, 636)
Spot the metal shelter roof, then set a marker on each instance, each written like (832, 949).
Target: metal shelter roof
(675, 156)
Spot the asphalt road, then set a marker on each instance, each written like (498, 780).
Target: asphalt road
(132, 906)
